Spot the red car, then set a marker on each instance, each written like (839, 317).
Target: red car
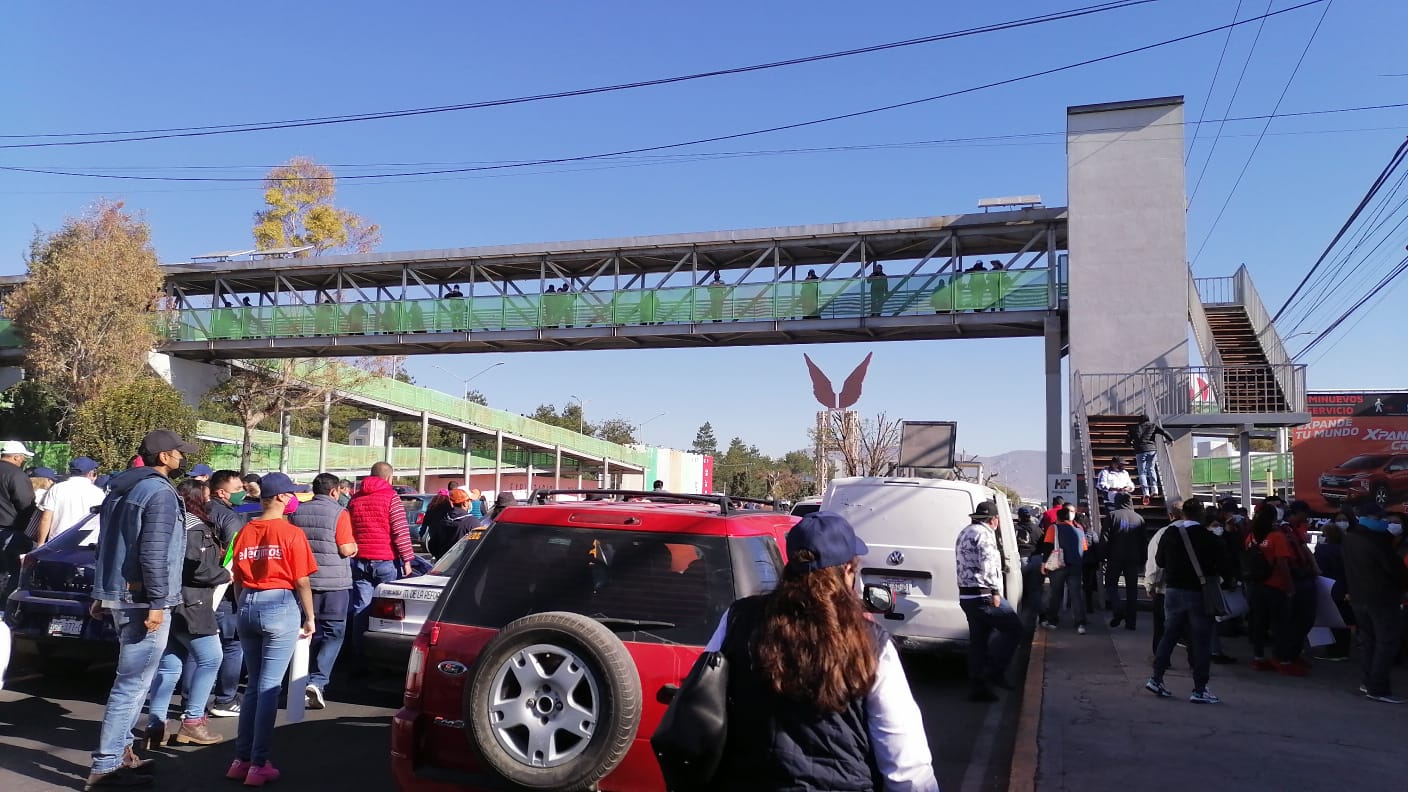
(552, 655)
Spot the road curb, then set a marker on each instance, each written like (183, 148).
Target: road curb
(1025, 752)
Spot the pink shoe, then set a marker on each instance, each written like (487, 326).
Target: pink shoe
(261, 775)
(238, 770)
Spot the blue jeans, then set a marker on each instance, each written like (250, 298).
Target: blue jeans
(269, 622)
(227, 684)
(330, 614)
(1185, 619)
(199, 652)
(987, 662)
(138, 654)
(366, 576)
(1148, 471)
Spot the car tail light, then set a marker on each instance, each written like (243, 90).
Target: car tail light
(388, 608)
(415, 666)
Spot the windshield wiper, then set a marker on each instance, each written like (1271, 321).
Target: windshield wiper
(613, 623)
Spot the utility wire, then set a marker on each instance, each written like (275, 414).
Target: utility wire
(257, 126)
(1203, 111)
(1257, 145)
(1380, 286)
(1368, 196)
(1230, 102)
(715, 138)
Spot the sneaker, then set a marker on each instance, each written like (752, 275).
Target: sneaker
(121, 778)
(1157, 688)
(1080, 629)
(1049, 625)
(1364, 689)
(1332, 658)
(261, 775)
(1292, 669)
(1204, 696)
(1262, 664)
(1384, 699)
(238, 770)
(1115, 621)
(228, 709)
(315, 697)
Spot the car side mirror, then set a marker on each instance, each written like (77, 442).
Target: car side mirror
(878, 598)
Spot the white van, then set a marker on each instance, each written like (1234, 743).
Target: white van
(911, 526)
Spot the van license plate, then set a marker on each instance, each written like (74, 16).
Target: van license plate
(65, 625)
(901, 587)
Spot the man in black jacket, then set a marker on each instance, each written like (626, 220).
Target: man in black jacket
(1185, 616)
(1144, 437)
(1374, 575)
(225, 485)
(1127, 553)
(16, 507)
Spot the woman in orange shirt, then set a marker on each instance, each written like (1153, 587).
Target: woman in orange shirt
(272, 562)
(1270, 598)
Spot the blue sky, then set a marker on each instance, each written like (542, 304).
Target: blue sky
(101, 67)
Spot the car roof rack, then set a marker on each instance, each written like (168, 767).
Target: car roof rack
(724, 502)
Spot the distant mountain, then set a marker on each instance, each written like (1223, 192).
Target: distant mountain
(1023, 471)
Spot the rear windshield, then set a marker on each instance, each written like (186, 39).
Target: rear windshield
(458, 555)
(685, 581)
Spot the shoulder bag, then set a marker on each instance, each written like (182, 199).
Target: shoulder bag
(1214, 601)
(689, 742)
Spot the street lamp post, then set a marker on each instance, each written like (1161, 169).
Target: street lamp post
(581, 413)
(464, 381)
(641, 426)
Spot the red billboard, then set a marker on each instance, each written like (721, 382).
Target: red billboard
(1354, 450)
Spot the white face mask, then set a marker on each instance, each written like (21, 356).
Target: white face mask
(1342, 525)
(1396, 529)
(1217, 530)
(1280, 514)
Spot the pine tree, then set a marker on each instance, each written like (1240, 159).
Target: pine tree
(705, 442)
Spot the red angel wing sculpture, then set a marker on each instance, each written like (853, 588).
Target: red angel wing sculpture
(821, 385)
(850, 389)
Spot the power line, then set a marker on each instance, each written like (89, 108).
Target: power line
(1368, 196)
(715, 138)
(1380, 286)
(1231, 101)
(258, 126)
(1203, 111)
(1257, 145)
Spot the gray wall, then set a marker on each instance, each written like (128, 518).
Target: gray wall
(1128, 242)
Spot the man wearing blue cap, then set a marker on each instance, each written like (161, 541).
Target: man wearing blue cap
(980, 586)
(70, 500)
(201, 472)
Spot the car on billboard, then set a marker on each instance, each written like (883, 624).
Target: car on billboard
(1382, 478)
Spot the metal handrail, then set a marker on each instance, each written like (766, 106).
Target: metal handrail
(1266, 334)
(1081, 418)
(1218, 291)
(1187, 390)
(1202, 328)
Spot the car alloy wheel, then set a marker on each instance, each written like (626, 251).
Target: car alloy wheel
(544, 705)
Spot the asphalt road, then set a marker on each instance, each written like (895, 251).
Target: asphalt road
(48, 726)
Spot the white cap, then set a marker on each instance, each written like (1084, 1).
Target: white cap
(14, 447)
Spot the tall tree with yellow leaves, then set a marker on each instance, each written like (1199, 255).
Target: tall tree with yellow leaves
(89, 309)
(300, 212)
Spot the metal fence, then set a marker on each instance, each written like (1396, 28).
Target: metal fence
(1225, 389)
(1228, 470)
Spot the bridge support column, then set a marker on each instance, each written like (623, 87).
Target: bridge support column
(468, 459)
(557, 467)
(1055, 427)
(498, 462)
(605, 473)
(424, 441)
(323, 438)
(1244, 446)
(390, 441)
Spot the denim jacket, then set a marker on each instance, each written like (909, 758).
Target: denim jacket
(141, 541)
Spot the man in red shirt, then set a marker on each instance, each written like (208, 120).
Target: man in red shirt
(383, 541)
(1049, 517)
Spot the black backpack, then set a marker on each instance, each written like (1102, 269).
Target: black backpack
(1255, 567)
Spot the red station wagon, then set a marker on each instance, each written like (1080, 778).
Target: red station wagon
(552, 655)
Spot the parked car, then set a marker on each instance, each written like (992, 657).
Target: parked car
(1382, 478)
(48, 612)
(399, 608)
(806, 506)
(415, 505)
(911, 526)
(553, 653)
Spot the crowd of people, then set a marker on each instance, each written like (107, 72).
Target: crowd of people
(210, 577)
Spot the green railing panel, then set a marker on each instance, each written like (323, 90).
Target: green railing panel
(1228, 470)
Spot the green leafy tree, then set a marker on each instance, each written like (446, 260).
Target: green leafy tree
(300, 212)
(705, 442)
(30, 411)
(616, 430)
(570, 417)
(110, 427)
(88, 310)
(743, 470)
(477, 397)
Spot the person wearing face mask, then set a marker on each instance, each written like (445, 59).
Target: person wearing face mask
(1330, 557)
(137, 578)
(227, 492)
(1374, 575)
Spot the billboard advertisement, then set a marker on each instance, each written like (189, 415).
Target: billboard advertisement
(1354, 450)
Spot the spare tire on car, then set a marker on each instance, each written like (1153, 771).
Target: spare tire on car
(554, 702)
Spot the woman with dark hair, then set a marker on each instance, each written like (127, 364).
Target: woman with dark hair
(817, 696)
(1269, 588)
(194, 642)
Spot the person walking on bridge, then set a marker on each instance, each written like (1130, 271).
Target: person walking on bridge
(1144, 437)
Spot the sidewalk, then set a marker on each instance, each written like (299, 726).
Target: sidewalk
(1100, 729)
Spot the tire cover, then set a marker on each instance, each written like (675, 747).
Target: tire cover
(608, 671)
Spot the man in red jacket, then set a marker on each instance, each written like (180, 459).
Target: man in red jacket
(383, 540)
